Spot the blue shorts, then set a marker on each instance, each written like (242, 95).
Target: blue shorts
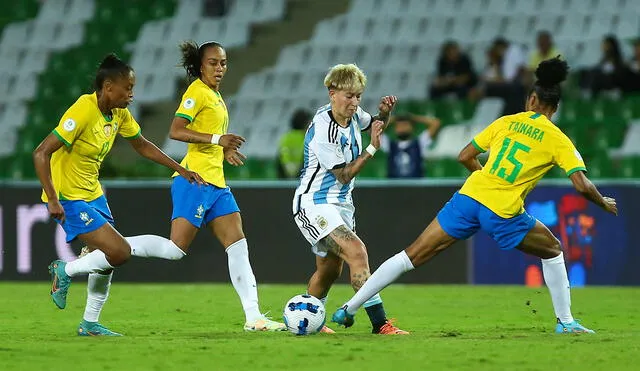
(84, 217)
(462, 216)
(200, 204)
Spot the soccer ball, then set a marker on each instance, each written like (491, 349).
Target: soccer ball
(304, 315)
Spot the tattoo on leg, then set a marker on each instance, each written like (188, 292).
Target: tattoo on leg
(333, 246)
(358, 279)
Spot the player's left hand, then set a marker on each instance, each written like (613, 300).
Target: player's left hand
(377, 127)
(234, 157)
(191, 176)
(387, 103)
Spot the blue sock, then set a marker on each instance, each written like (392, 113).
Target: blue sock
(376, 313)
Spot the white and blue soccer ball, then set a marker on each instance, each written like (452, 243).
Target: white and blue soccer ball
(304, 315)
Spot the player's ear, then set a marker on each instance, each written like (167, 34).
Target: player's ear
(107, 84)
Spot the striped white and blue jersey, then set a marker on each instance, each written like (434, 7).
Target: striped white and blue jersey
(329, 146)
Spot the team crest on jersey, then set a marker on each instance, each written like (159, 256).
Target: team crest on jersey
(321, 222)
(69, 125)
(339, 152)
(85, 218)
(189, 103)
(199, 211)
(108, 129)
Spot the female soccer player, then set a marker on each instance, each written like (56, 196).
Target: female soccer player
(202, 121)
(67, 163)
(524, 147)
(322, 205)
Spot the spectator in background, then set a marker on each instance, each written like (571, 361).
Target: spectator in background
(634, 67)
(610, 74)
(291, 149)
(509, 83)
(545, 50)
(455, 73)
(406, 153)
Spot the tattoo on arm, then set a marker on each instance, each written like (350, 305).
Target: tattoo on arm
(347, 173)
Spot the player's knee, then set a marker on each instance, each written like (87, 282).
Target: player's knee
(120, 256)
(554, 248)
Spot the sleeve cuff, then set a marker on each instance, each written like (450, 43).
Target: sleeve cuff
(138, 134)
(54, 132)
(339, 166)
(579, 168)
(473, 141)
(184, 116)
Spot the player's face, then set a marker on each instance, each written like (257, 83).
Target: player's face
(344, 103)
(120, 90)
(214, 66)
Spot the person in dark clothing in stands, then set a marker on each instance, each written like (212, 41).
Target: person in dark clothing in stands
(455, 73)
(405, 154)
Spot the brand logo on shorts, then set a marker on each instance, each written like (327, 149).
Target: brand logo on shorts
(199, 212)
(321, 222)
(85, 218)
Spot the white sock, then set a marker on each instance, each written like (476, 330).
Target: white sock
(93, 262)
(555, 276)
(243, 279)
(150, 246)
(388, 272)
(97, 293)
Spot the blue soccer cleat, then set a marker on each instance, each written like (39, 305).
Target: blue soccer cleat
(60, 283)
(94, 329)
(342, 317)
(572, 328)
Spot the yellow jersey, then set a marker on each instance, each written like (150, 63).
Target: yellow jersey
(88, 136)
(207, 113)
(524, 147)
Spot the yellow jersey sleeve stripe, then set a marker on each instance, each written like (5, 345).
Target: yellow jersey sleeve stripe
(184, 116)
(579, 168)
(54, 132)
(473, 141)
(135, 135)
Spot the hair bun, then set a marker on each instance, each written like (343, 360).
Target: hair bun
(552, 72)
(111, 61)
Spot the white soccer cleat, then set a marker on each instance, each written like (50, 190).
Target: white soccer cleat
(264, 324)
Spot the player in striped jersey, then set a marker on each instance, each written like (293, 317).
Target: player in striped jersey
(322, 206)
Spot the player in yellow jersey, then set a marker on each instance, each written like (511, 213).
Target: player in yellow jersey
(202, 121)
(523, 148)
(67, 163)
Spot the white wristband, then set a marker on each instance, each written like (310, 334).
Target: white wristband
(215, 138)
(371, 149)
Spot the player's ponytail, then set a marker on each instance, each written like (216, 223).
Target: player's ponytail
(192, 56)
(550, 74)
(110, 68)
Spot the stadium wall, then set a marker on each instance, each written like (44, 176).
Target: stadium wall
(598, 247)
(388, 219)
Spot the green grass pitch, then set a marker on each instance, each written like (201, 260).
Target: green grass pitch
(199, 327)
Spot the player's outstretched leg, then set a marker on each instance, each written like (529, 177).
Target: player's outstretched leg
(542, 243)
(432, 241)
(228, 229)
(345, 243)
(113, 251)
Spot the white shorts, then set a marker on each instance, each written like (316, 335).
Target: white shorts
(317, 221)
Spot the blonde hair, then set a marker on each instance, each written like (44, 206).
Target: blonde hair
(346, 77)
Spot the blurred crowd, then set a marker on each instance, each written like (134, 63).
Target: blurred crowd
(509, 71)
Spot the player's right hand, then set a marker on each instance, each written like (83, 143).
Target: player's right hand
(231, 141)
(610, 205)
(234, 157)
(376, 132)
(56, 210)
